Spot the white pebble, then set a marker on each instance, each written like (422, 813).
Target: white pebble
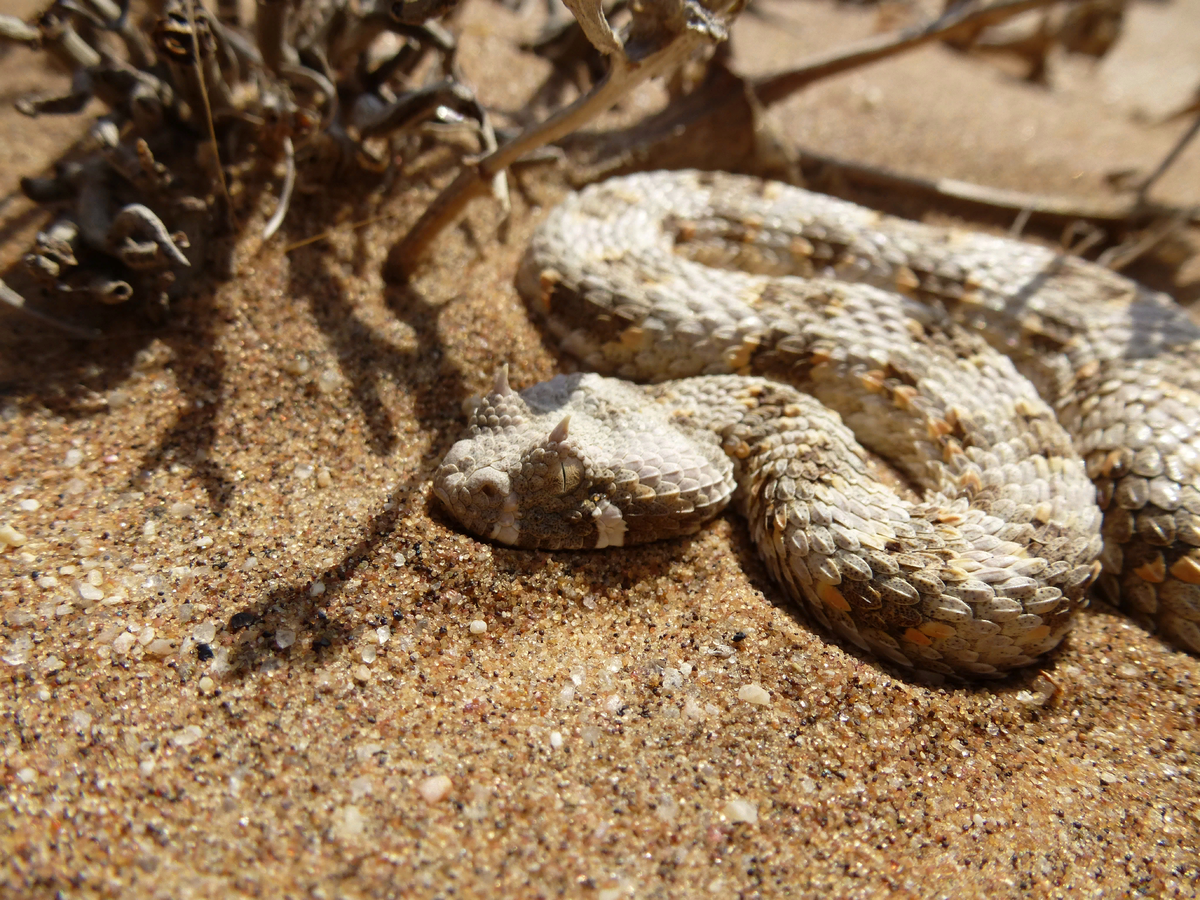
(303, 471)
(73, 458)
(10, 537)
(204, 543)
(250, 563)
(51, 664)
(182, 510)
(19, 618)
(89, 591)
(206, 685)
(124, 643)
(316, 589)
(149, 530)
(81, 721)
(478, 626)
(361, 674)
(146, 635)
(26, 775)
(368, 653)
(741, 811)
(47, 582)
(284, 638)
(30, 505)
(667, 808)
(435, 788)
(348, 823)
(160, 648)
(754, 693)
(187, 736)
(204, 632)
(17, 651)
(383, 634)
(556, 739)
(324, 478)
(327, 381)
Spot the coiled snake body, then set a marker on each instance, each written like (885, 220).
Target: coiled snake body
(786, 330)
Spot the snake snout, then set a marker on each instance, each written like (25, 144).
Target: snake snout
(488, 486)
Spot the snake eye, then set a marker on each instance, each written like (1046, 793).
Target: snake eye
(571, 474)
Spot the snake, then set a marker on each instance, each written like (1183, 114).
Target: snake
(944, 441)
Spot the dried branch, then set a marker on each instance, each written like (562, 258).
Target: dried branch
(639, 59)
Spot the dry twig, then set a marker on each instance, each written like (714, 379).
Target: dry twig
(663, 34)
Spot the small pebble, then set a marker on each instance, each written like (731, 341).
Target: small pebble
(348, 823)
(478, 626)
(29, 505)
(284, 638)
(187, 736)
(361, 674)
(90, 592)
(73, 458)
(10, 537)
(160, 648)
(324, 478)
(741, 811)
(303, 471)
(19, 618)
(204, 633)
(754, 693)
(124, 643)
(327, 381)
(316, 589)
(435, 788)
(207, 685)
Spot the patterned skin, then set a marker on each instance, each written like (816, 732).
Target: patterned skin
(997, 376)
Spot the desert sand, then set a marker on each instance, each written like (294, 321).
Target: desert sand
(245, 654)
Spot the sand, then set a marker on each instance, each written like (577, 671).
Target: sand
(244, 654)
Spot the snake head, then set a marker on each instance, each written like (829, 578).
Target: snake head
(577, 462)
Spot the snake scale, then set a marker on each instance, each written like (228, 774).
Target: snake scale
(1044, 410)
